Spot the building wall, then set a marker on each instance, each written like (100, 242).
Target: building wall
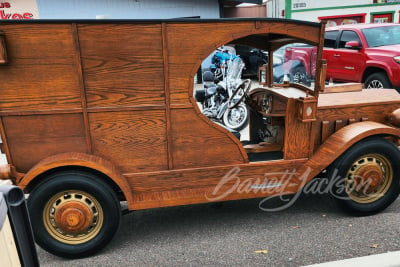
(340, 7)
(312, 10)
(246, 12)
(127, 9)
(16, 9)
(276, 8)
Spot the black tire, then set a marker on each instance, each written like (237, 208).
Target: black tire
(366, 177)
(377, 80)
(58, 207)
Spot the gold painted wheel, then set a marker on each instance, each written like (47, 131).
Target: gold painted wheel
(369, 178)
(73, 217)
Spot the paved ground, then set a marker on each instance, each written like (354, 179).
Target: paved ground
(238, 233)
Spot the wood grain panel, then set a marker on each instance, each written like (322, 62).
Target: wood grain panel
(131, 74)
(372, 112)
(39, 41)
(211, 176)
(41, 68)
(197, 143)
(40, 87)
(46, 135)
(134, 141)
(355, 99)
(200, 185)
(328, 118)
(297, 134)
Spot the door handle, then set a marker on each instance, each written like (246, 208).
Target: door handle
(336, 55)
(349, 68)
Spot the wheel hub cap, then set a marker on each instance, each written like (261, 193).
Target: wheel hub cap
(369, 178)
(73, 217)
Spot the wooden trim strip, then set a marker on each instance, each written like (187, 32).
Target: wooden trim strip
(78, 62)
(79, 110)
(181, 106)
(5, 148)
(39, 112)
(324, 131)
(168, 130)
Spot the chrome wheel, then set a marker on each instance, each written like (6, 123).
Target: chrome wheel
(237, 117)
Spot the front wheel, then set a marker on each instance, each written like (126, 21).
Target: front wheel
(377, 80)
(73, 214)
(367, 176)
(237, 117)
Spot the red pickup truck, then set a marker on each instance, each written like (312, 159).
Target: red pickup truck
(366, 53)
(362, 53)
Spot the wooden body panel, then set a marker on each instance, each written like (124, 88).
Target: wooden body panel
(50, 135)
(219, 183)
(37, 78)
(121, 65)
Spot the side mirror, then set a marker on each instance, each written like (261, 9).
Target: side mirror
(353, 45)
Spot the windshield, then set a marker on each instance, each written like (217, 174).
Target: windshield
(380, 36)
(295, 63)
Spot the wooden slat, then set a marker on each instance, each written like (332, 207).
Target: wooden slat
(325, 130)
(131, 74)
(41, 69)
(46, 135)
(132, 140)
(346, 87)
(168, 128)
(339, 124)
(78, 62)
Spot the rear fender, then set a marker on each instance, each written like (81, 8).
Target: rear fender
(78, 160)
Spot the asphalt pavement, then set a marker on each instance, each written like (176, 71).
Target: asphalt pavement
(238, 233)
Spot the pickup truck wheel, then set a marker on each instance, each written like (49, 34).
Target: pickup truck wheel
(299, 74)
(367, 177)
(377, 80)
(73, 214)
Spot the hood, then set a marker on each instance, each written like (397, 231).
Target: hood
(392, 49)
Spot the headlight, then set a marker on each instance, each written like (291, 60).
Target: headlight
(397, 59)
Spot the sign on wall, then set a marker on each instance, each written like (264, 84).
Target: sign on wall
(19, 9)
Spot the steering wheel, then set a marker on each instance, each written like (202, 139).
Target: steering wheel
(244, 87)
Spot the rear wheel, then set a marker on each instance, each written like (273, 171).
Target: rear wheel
(73, 214)
(377, 80)
(367, 176)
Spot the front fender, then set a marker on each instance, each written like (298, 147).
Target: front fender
(342, 140)
(81, 160)
(392, 70)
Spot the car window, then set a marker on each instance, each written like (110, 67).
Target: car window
(348, 36)
(380, 36)
(330, 38)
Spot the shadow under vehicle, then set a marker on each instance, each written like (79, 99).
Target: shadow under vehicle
(92, 116)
